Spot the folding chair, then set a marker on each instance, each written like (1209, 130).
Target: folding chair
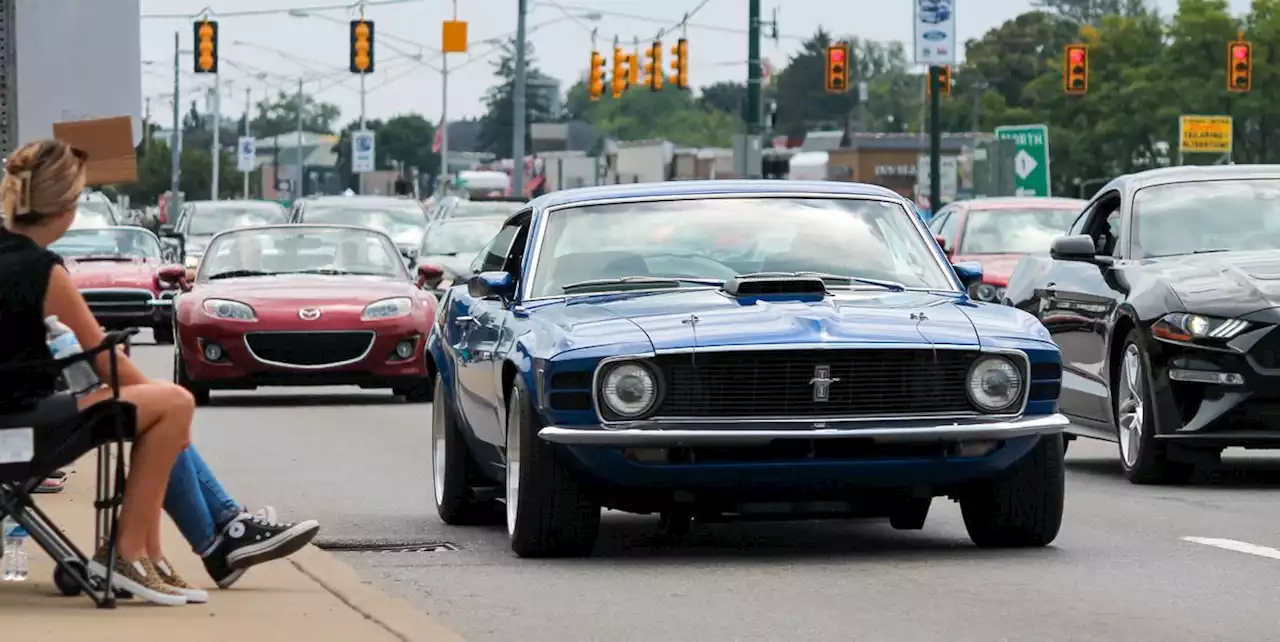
(26, 460)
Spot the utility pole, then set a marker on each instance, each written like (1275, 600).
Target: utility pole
(175, 173)
(215, 151)
(518, 105)
(444, 113)
(247, 92)
(297, 190)
(935, 140)
(754, 89)
(146, 126)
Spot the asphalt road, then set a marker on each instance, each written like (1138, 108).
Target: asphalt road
(1120, 570)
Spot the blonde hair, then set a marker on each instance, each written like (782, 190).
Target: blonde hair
(42, 179)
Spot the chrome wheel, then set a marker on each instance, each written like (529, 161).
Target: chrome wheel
(439, 446)
(513, 460)
(1131, 412)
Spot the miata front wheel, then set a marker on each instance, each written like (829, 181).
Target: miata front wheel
(180, 377)
(1144, 459)
(550, 512)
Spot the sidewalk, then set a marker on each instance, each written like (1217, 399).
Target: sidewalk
(309, 597)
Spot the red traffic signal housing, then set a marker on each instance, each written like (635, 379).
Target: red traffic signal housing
(1239, 66)
(837, 73)
(1075, 72)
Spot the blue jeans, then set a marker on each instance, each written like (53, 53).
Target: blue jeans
(197, 503)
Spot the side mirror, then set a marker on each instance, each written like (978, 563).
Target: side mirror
(942, 243)
(970, 273)
(490, 284)
(429, 274)
(1074, 248)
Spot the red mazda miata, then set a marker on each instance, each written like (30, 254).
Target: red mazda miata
(304, 305)
(122, 276)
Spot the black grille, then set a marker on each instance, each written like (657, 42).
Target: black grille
(119, 302)
(309, 348)
(778, 383)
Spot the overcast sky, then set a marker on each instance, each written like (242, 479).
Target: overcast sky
(316, 47)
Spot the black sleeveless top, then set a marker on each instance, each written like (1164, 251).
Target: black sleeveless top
(25, 268)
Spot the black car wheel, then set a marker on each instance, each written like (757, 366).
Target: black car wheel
(1023, 506)
(1143, 458)
(180, 377)
(550, 512)
(452, 469)
(422, 392)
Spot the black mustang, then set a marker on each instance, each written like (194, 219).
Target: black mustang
(1165, 302)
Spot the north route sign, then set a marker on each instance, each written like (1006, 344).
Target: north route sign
(1030, 158)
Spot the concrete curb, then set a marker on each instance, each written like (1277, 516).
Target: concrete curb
(394, 614)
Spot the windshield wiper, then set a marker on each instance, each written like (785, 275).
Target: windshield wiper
(851, 280)
(234, 274)
(104, 257)
(638, 282)
(336, 272)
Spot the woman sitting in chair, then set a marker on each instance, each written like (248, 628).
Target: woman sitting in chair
(42, 184)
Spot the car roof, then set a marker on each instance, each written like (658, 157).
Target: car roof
(713, 188)
(1021, 202)
(234, 203)
(1192, 173)
(389, 200)
(499, 218)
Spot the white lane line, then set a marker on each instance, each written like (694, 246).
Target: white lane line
(1236, 545)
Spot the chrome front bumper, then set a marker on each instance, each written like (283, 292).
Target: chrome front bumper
(746, 433)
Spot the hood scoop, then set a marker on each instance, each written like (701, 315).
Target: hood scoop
(776, 286)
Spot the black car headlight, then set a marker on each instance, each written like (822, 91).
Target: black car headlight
(627, 389)
(986, 292)
(1186, 327)
(995, 384)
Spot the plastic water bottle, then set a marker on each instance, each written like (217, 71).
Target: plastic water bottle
(15, 552)
(63, 343)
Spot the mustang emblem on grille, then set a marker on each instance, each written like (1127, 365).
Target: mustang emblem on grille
(309, 314)
(821, 383)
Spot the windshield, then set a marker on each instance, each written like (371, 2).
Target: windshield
(1206, 216)
(1014, 231)
(91, 214)
(107, 243)
(724, 237)
(463, 237)
(485, 208)
(405, 225)
(211, 219)
(297, 250)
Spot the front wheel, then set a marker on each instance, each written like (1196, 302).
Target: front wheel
(1143, 458)
(453, 470)
(180, 377)
(163, 333)
(550, 512)
(1023, 506)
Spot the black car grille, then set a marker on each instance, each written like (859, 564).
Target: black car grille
(1266, 353)
(109, 302)
(871, 382)
(309, 349)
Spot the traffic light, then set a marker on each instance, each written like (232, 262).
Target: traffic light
(653, 69)
(944, 80)
(596, 85)
(680, 64)
(1239, 66)
(633, 69)
(1075, 72)
(838, 68)
(361, 47)
(206, 39)
(621, 77)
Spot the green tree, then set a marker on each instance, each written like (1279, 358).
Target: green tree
(405, 139)
(728, 97)
(279, 115)
(1091, 11)
(497, 125)
(1257, 112)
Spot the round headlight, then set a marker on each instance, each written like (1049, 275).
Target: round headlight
(995, 384)
(629, 390)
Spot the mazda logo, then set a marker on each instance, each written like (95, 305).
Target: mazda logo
(309, 314)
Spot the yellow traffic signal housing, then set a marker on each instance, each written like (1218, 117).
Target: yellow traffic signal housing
(680, 64)
(1075, 71)
(838, 68)
(653, 69)
(621, 77)
(944, 80)
(596, 84)
(361, 47)
(206, 39)
(633, 70)
(1239, 66)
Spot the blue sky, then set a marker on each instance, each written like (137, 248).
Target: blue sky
(316, 45)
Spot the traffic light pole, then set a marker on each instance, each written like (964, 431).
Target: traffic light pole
(247, 92)
(518, 104)
(175, 170)
(935, 141)
(754, 91)
(444, 115)
(215, 149)
(297, 189)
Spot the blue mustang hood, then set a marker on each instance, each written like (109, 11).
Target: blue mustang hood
(846, 317)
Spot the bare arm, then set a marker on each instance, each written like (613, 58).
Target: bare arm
(64, 301)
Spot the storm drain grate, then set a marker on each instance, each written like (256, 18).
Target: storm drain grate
(357, 546)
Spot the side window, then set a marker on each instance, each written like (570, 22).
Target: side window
(514, 263)
(1102, 222)
(494, 256)
(935, 226)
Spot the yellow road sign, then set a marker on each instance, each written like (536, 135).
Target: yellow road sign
(1205, 134)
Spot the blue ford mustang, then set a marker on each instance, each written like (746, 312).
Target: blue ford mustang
(736, 349)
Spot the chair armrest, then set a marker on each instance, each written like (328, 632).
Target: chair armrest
(110, 341)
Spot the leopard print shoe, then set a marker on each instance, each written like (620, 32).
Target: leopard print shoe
(138, 577)
(171, 577)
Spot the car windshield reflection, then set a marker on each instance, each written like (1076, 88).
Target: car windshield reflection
(107, 244)
(1010, 231)
(210, 219)
(334, 251)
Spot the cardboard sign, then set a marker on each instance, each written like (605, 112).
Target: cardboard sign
(109, 145)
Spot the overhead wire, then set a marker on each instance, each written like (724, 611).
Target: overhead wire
(665, 21)
(207, 11)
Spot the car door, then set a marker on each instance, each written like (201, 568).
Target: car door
(473, 331)
(1077, 299)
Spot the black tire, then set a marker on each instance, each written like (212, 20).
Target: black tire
(67, 583)
(1150, 463)
(1023, 506)
(422, 392)
(199, 392)
(453, 470)
(553, 514)
(911, 514)
(163, 333)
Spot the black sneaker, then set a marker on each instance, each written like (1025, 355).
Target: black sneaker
(252, 539)
(215, 564)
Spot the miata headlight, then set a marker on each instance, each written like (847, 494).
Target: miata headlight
(628, 389)
(387, 309)
(1182, 326)
(227, 309)
(995, 384)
